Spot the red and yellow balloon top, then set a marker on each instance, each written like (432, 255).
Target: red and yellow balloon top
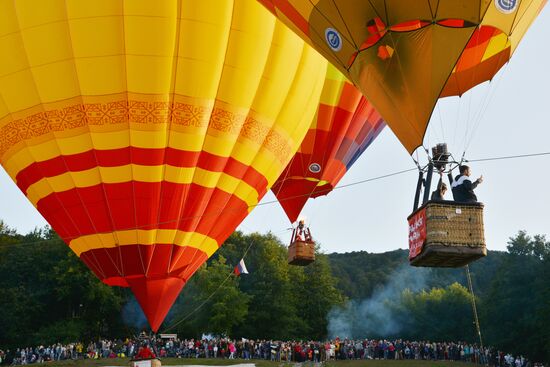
(343, 127)
(145, 131)
(405, 54)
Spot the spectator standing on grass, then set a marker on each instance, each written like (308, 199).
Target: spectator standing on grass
(302, 351)
(232, 349)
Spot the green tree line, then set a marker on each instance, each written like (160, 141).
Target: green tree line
(47, 295)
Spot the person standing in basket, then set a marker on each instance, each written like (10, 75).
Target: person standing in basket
(302, 232)
(439, 193)
(463, 187)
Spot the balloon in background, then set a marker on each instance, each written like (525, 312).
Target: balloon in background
(404, 55)
(344, 126)
(145, 131)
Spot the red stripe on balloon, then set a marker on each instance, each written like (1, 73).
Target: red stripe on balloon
(140, 156)
(269, 6)
(153, 261)
(105, 208)
(285, 7)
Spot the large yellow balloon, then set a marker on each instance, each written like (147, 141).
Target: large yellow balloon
(145, 131)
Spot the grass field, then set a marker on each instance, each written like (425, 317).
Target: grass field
(258, 363)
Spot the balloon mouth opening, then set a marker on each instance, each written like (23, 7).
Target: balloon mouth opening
(155, 296)
(116, 281)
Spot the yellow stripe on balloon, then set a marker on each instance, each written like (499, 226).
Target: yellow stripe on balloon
(134, 172)
(312, 179)
(331, 92)
(144, 237)
(244, 150)
(496, 45)
(333, 86)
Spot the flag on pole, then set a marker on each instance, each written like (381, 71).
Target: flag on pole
(240, 268)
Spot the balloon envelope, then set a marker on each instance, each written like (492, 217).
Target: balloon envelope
(404, 55)
(145, 132)
(344, 126)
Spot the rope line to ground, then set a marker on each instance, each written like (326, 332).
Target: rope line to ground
(173, 325)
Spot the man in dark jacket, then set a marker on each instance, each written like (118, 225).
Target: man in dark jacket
(463, 187)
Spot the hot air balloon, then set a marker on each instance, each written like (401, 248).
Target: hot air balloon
(404, 56)
(344, 126)
(144, 132)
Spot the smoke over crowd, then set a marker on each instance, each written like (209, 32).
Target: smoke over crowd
(373, 316)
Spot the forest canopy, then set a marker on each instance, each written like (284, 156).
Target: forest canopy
(49, 296)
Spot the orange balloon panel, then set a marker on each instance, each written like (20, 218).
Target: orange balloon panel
(485, 54)
(145, 132)
(343, 128)
(404, 55)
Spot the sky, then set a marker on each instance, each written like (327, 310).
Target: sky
(509, 116)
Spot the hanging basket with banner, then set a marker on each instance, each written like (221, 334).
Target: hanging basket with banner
(446, 234)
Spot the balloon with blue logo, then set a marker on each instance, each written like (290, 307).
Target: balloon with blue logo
(404, 55)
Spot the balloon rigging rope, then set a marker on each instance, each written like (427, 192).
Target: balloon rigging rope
(493, 87)
(173, 325)
(469, 118)
(198, 307)
(251, 206)
(473, 301)
(508, 157)
(441, 121)
(336, 188)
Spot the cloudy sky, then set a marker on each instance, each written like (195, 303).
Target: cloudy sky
(509, 116)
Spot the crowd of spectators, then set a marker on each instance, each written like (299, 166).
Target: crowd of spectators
(279, 351)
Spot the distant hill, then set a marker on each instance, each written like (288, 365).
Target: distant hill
(359, 273)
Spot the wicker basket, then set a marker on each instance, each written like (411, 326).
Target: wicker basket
(301, 253)
(454, 234)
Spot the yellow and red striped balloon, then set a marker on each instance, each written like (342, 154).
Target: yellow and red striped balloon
(145, 131)
(343, 127)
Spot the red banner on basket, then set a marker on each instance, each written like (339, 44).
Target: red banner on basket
(417, 233)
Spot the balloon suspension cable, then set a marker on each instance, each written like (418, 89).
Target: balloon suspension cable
(462, 159)
(447, 166)
(355, 183)
(416, 162)
(474, 308)
(210, 296)
(440, 161)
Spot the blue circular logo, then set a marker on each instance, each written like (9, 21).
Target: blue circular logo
(506, 6)
(315, 167)
(333, 39)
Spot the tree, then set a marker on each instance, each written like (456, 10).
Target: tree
(515, 307)
(227, 305)
(541, 247)
(318, 295)
(43, 285)
(521, 245)
(274, 305)
(82, 296)
(48, 295)
(437, 314)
